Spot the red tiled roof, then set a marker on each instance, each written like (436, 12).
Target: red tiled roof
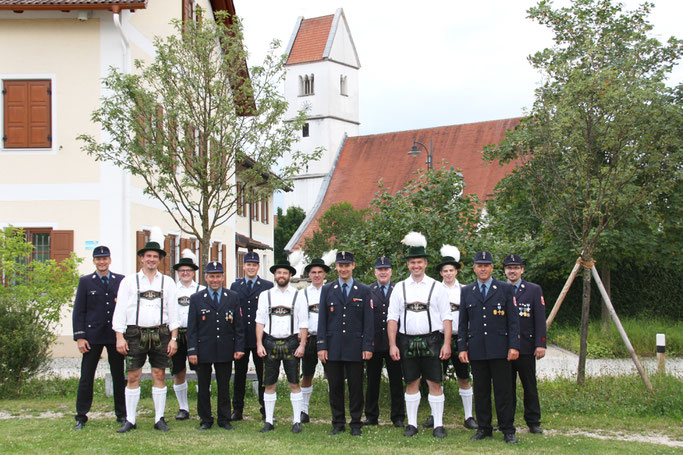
(70, 4)
(364, 160)
(311, 40)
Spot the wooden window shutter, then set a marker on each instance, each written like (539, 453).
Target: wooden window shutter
(140, 237)
(214, 251)
(165, 265)
(184, 243)
(188, 10)
(27, 107)
(62, 244)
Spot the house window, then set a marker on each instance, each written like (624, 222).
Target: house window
(239, 264)
(27, 113)
(49, 244)
(254, 207)
(305, 130)
(342, 85)
(306, 86)
(264, 211)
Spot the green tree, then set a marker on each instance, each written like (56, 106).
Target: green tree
(335, 227)
(31, 300)
(198, 128)
(604, 135)
(287, 224)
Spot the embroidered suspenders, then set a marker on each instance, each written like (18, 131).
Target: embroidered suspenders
(270, 312)
(406, 305)
(137, 310)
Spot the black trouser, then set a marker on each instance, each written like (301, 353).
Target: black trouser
(525, 365)
(335, 376)
(85, 384)
(374, 369)
(241, 367)
(498, 371)
(223, 372)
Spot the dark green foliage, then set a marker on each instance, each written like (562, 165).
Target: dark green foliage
(287, 224)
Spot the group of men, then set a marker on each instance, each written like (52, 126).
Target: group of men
(415, 328)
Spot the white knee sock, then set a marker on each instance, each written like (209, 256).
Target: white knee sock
(181, 395)
(269, 400)
(159, 398)
(412, 403)
(436, 403)
(466, 396)
(306, 392)
(132, 398)
(297, 400)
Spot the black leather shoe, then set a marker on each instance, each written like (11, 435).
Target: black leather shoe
(296, 427)
(536, 429)
(304, 417)
(496, 428)
(226, 426)
(182, 415)
(337, 430)
(410, 431)
(161, 425)
(79, 425)
(510, 438)
(236, 415)
(398, 423)
(480, 434)
(429, 423)
(204, 426)
(127, 426)
(370, 422)
(439, 432)
(471, 424)
(356, 431)
(267, 427)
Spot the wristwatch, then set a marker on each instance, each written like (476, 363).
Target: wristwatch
(174, 339)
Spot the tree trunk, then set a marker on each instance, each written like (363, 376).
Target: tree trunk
(606, 281)
(206, 250)
(585, 307)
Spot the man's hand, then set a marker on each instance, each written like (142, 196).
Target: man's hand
(322, 355)
(261, 351)
(172, 348)
(238, 355)
(121, 345)
(464, 358)
(192, 359)
(539, 353)
(83, 345)
(395, 353)
(300, 350)
(513, 354)
(367, 355)
(445, 352)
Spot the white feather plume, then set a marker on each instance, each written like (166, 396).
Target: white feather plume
(329, 257)
(415, 239)
(156, 235)
(450, 251)
(188, 254)
(296, 257)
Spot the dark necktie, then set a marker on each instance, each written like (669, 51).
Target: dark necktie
(105, 281)
(483, 291)
(344, 289)
(384, 290)
(215, 298)
(249, 285)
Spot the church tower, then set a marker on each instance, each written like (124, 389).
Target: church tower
(322, 74)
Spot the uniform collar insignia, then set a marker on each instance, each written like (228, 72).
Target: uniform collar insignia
(336, 286)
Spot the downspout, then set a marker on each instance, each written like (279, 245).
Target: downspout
(125, 178)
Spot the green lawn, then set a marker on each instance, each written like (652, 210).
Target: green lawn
(40, 420)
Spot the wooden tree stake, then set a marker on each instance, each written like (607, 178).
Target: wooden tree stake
(563, 294)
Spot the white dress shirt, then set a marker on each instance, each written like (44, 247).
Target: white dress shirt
(417, 323)
(282, 324)
(313, 295)
(150, 310)
(184, 292)
(454, 297)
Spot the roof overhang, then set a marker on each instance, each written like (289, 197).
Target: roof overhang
(70, 5)
(249, 243)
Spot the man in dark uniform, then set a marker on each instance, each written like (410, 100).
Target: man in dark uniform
(531, 307)
(345, 338)
(248, 289)
(380, 292)
(488, 338)
(215, 336)
(93, 310)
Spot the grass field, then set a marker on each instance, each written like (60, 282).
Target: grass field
(608, 415)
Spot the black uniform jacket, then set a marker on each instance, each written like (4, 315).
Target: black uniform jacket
(346, 325)
(381, 308)
(531, 310)
(214, 334)
(94, 308)
(488, 328)
(249, 305)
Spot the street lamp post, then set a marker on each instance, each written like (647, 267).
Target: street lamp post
(414, 152)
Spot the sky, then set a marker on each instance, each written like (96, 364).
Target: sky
(435, 62)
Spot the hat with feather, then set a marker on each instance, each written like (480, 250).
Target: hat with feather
(417, 243)
(450, 255)
(156, 240)
(187, 260)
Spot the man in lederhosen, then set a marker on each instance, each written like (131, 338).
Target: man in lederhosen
(316, 271)
(93, 311)
(448, 269)
(215, 336)
(186, 269)
(248, 288)
(281, 333)
(532, 345)
(380, 292)
(488, 339)
(345, 339)
(146, 326)
(420, 306)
